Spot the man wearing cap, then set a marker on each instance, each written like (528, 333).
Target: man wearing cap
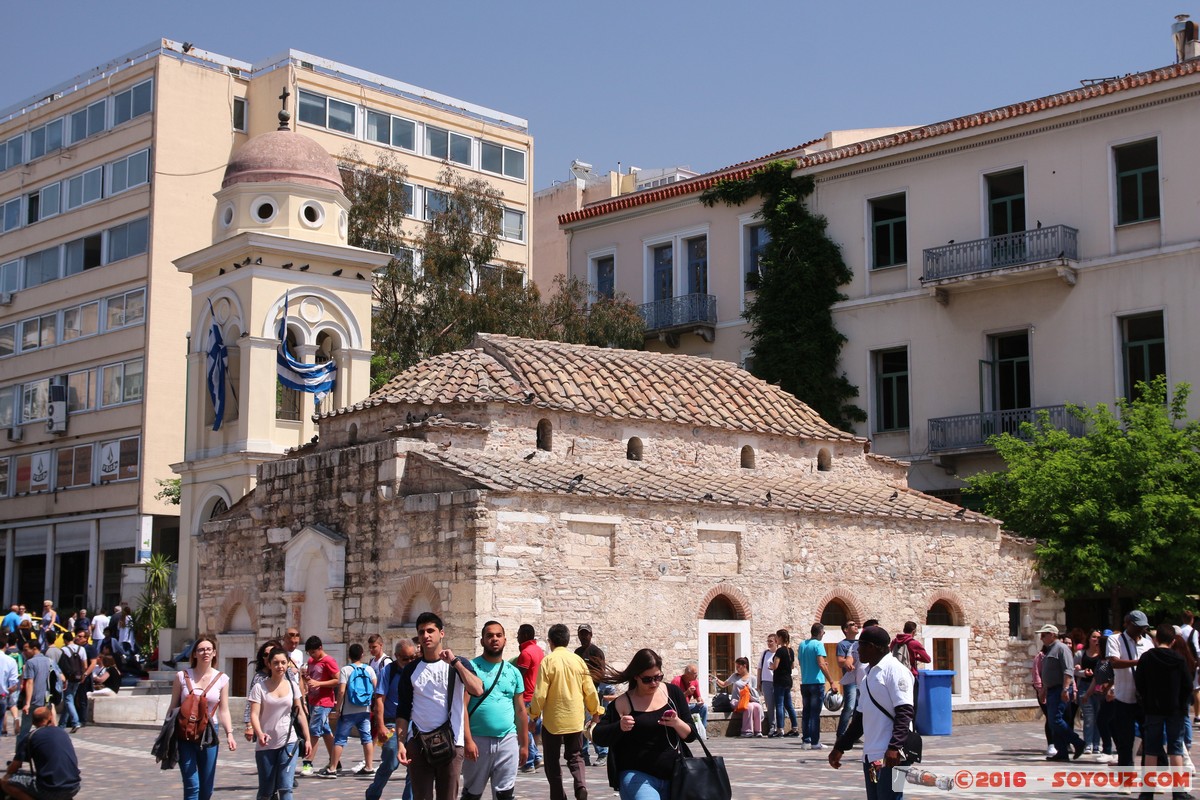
(884, 715)
(593, 656)
(1123, 652)
(1058, 682)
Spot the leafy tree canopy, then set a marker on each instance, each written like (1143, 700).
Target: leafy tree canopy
(794, 341)
(460, 287)
(1114, 511)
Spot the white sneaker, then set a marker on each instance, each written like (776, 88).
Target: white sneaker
(817, 746)
(1051, 752)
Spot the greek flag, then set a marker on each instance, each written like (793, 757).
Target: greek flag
(315, 379)
(218, 365)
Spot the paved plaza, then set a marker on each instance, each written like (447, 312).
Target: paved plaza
(116, 763)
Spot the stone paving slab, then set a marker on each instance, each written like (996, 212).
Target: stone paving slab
(116, 763)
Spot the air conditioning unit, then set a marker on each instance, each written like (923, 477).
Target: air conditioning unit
(15, 433)
(6, 298)
(57, 408)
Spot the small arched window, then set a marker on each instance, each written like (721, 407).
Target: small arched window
(834, 614)
(219, 508)
(545, 435)
(824, 460)
(633, 450)
(353, 433)
(747, 457)
(720, 608)
(940, 613)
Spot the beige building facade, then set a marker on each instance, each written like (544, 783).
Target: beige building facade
(1006, 261)
(669, 501)
(105, 181)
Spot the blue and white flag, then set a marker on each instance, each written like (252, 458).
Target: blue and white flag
(218, 365)
(315, 379)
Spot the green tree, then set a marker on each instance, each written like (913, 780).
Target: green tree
(460, 287)
(169, 490)
(794, 341)
(156, 606)
(1114, 511)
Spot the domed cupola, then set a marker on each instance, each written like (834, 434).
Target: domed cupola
(282, 183)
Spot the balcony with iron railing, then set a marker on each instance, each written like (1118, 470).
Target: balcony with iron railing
(968, 432)
(689, 313)
(1049, 249)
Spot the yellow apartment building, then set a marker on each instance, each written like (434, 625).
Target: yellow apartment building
(105, 181)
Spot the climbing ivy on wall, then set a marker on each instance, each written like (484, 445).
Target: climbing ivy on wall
(794, 341)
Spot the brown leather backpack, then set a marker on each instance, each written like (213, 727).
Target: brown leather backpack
(193, 719)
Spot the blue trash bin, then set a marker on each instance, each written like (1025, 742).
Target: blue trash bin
(934, 717)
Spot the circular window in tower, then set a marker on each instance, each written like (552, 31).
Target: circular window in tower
(312, 214)
(226, 215)
(265, 209)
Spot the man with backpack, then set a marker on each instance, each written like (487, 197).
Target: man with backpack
(75, 662)
(356, 688)
(909, 651)
(41, 687)
(497, 734)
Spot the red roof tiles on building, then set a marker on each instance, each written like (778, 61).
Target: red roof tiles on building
(605, 382)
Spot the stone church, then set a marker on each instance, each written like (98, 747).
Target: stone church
(670, 501)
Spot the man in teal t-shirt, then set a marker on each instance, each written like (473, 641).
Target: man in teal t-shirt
(814, 682)
(496, 737)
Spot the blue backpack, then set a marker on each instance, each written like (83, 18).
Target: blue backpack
(359, 688)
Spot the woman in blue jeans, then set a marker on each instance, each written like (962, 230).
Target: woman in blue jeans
(276, 744)
(644, 730)
(781, 671)
(197, 763)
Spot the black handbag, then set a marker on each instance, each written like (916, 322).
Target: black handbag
(701, 778)
(437, 745)
(722, 703)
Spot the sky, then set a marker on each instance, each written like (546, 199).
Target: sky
(654, 83)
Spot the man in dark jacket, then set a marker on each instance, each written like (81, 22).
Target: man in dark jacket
(1164, 690)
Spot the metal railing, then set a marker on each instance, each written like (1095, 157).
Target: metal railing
(973, 430)
(679, 312)
(997, 252)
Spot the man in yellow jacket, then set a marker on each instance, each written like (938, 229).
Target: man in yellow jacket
(563, 692)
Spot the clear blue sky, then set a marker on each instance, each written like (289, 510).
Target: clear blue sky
(651, 83)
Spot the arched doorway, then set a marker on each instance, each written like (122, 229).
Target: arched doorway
(724, 635)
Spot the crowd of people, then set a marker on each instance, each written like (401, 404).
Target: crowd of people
(458, 724)
(1134, 692)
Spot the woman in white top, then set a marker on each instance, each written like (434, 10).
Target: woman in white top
(125, 630)
(198, 764)
(276, 743)
(741, 678)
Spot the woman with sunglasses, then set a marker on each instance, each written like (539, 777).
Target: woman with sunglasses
(272, 702)
(644, 730)
(198, 764)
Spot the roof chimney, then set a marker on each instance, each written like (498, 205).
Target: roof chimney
(1187, 38)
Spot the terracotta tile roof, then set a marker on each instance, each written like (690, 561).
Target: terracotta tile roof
(697, 184)
(702, 182)
(894, 462)
(676, 483)
(604, 382)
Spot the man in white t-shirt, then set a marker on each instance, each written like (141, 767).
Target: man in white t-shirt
(1123, 651)
(423, 701)
(99, 626)
(884, 716)
(291, 641)
(766, 683)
